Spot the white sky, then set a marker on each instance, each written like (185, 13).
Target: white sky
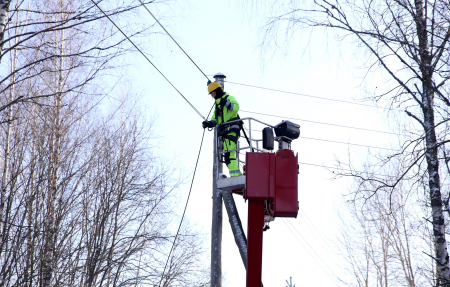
(220, 37)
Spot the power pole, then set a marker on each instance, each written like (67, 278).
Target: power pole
(216, 229)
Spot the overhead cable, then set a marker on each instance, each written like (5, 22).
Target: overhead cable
(308, 250)
(201, 143)
(184, 211)
(315, 97)
(361, 145)
(187, 201)
(172, 38)
(347, 143)
(342, 126)
(145, 56)
(325, 263)
(330, 169)
(320, 165)
(312, 227)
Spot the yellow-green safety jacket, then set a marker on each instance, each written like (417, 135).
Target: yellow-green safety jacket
(227, 113)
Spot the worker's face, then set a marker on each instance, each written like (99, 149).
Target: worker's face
(213, 94)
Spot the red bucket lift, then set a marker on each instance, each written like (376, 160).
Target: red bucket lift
(271, 188)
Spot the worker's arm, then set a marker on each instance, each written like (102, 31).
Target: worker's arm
(210, 124)
(213, 118)
(232, 106)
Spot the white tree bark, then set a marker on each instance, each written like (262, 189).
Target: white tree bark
(54, 163)
(5, 176)
(409, 41)
(442, 258)
(4, 13)
(6, 159)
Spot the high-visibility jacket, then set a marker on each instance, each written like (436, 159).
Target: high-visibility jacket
(227, 112)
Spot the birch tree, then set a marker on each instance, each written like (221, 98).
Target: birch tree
(84, 200)
(4, 13)
(28, 29)
(385, 240)
(110, 211)
(408, 40)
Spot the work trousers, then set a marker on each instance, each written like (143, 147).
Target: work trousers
(230, 158)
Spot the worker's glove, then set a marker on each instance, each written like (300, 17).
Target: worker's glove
(208, 124)
(223, 101)
(209, 82)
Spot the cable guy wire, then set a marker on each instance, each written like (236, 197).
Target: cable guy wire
(147, 59)
(172, 38)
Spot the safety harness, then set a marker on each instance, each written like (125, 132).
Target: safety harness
(225, 129)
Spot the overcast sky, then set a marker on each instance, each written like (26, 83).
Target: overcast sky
(224, 36)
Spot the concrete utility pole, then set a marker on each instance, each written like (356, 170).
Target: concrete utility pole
(216, 229)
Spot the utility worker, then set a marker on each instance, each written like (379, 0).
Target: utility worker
(226, 110)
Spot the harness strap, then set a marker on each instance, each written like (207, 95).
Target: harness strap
(231, 138)
(219, 111)
(232, 129)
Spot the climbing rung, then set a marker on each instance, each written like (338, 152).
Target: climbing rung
(231, 183)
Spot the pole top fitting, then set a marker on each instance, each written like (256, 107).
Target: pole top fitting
(220, 78)
(219, 75)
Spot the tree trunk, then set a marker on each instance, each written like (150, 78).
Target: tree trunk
(5, 177)
(55, 143)
(4, 12)
(50, 225)
(28, 276)
(5, 174)
(431, 146)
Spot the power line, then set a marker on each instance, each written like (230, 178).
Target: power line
(314, 122)
(173, 38)
(187, 201)
(329, 167)
(315, 97)
(285, 220)
(347, 143)
(185, 207)
(147, 59)
(311, 226)
(310, 248)
(201, 143)
(319, 165)
(344, 169)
